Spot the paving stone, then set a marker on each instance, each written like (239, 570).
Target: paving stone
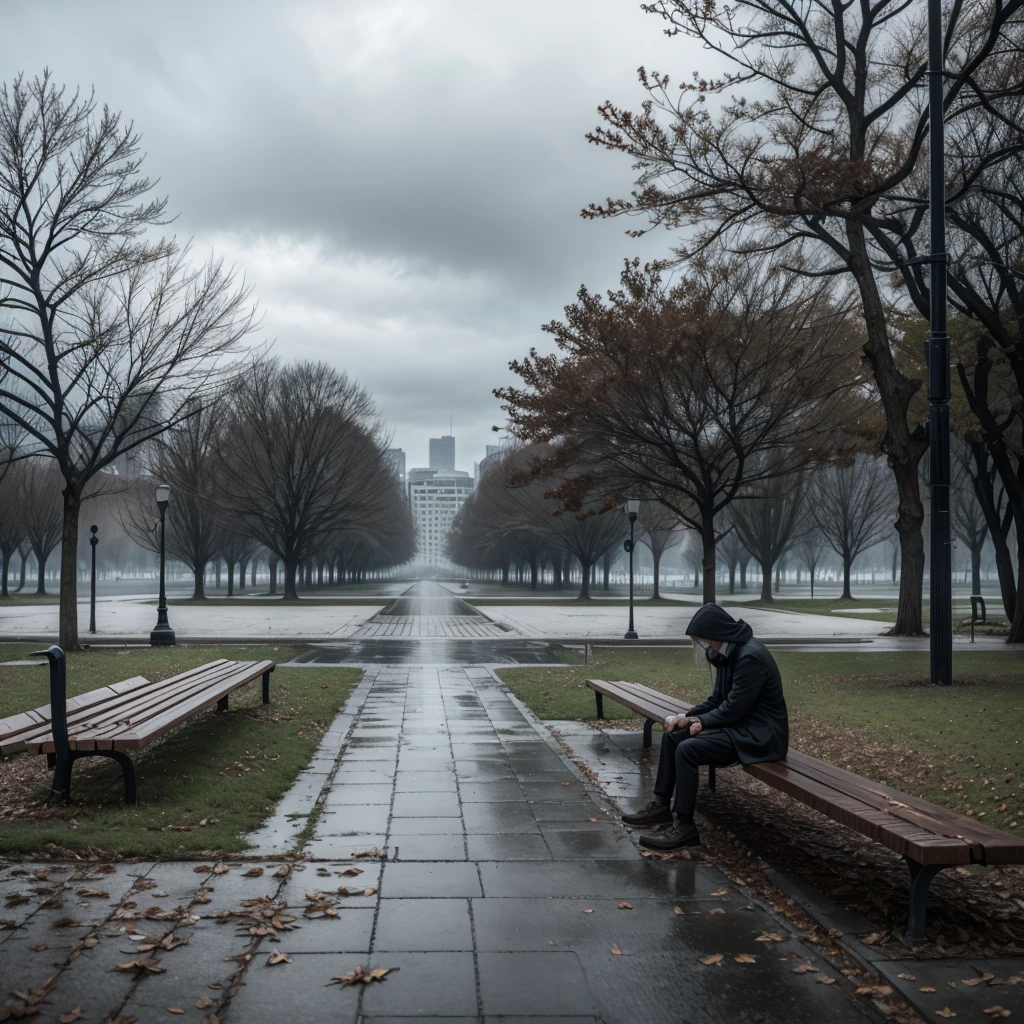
(425, 782)
(409, 881)
(549, 984)
(498, 818)
(605, 845)
(349, 932)
(423, 925)
(427, 826)
(426, 805)
(570, 810)
(424, 985)
(363, 775)
(507, 847)
(422, 847)
(293, 892)
(964, 999)
(358, 796)
(341, 847)
(353, 821)
(490, 792)
(297, 991)
(540, 791)
(679, 880)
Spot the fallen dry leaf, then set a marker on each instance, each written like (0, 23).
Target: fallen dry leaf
(202, 869)
(714, 959)
(616, 950)
(350, 872)
(907, 977)
(174, 1009)
(361, 977)
(945, 1012)
(996, 1011)
(370, 852)
(721, 892)
(926, 988)
(625, 906)
(221, 869)
(277, 957)
(282, 871)
(71, 1016)
(148, 964)
(715, 911)
(980, 980)
(369, 892)
(203, 1002)
(769, 937)
(745, 958)
(805, 969)
(678, 911)
(589, 910)
(39, 947)
(252, 873)
(870, 940)
(826, 981)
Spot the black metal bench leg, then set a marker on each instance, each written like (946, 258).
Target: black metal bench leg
(600, 704)
(266, 687)
(648, 728)
(222, 704)
(128, 770)
(711, 777)
(921, 876)
(51, 761)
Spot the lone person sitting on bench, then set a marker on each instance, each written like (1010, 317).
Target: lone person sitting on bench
(744, 720)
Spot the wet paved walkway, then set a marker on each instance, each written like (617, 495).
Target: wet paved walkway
(427, 609)
(506, 892)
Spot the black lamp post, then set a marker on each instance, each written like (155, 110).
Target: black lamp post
(92, 588)
(941, 582)
(162, 635)
(632, 510)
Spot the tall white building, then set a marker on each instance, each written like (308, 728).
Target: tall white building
(435, 497)
(395, 458)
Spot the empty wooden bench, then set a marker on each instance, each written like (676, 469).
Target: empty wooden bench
(125, 716)
(928, 837)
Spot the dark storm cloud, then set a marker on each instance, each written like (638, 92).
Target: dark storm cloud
(401, 183)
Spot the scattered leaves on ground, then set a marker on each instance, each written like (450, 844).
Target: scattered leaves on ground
(715, 959)
(625, 906)
(361, 977)
(616, 950)
(277, 957)
(745, 958)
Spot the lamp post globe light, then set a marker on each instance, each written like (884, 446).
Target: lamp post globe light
(93, 541)
(162, 635)
(632, 509)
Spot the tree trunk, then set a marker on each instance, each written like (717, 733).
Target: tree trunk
(903, 446)
(217, 571)
(778, 578)
(273, 576)
(743, 573)
(290, 571)
(533, 572)
(810, 572)
(656, 593)
(606, 568)
(976, 569)
(7, 552)
(766, 583)
(40, 572)
(252, 573)
(231, 577)
(68, 632)
(198, 592)
(847, 565)
(241, 574)
(584, 594)
(1016, 634)
(21, 570)
(707, 536)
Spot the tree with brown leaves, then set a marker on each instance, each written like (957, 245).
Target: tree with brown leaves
(680, 392)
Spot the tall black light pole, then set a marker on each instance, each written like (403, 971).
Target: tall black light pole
(92, 588)
(941, 580)
(162, 635)
(632, 510)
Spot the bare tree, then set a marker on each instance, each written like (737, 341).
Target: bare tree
(965, 512)
(12, 520)
(661, 531)
(730, 550)
(109, 336)
(809, 547)
(185, 458)
(852, 506)
(302, 459)
(42, 512)
(767, 519)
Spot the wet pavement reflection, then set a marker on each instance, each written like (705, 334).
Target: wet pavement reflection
(428, 598)
(433, 651)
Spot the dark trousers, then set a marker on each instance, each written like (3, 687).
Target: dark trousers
(679, 765)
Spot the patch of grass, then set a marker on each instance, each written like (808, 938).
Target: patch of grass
(568, 602)
(29, 597)
(830, 606)
(960, 746)
(232, 767)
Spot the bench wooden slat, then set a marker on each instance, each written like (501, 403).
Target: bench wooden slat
(908, 825)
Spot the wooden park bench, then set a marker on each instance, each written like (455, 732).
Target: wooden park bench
(928, 837)
(124, 716)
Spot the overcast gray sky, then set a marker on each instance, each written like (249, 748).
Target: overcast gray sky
(400, 181)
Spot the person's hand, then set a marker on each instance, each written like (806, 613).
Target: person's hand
(674, 722)
(695, 726)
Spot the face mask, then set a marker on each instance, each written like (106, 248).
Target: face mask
(716, 658)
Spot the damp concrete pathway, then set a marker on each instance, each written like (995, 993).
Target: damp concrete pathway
(427, 609)
(453, 844)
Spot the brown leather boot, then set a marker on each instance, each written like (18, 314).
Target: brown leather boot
(657, 812)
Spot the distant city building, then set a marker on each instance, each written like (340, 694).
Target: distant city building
(395, 458)
(442, 454)
(435, 497)
(479, 468)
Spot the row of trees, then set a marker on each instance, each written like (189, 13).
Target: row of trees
(115, 341)
(804, 163)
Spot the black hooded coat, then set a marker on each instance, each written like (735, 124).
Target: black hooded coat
(747, 702)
